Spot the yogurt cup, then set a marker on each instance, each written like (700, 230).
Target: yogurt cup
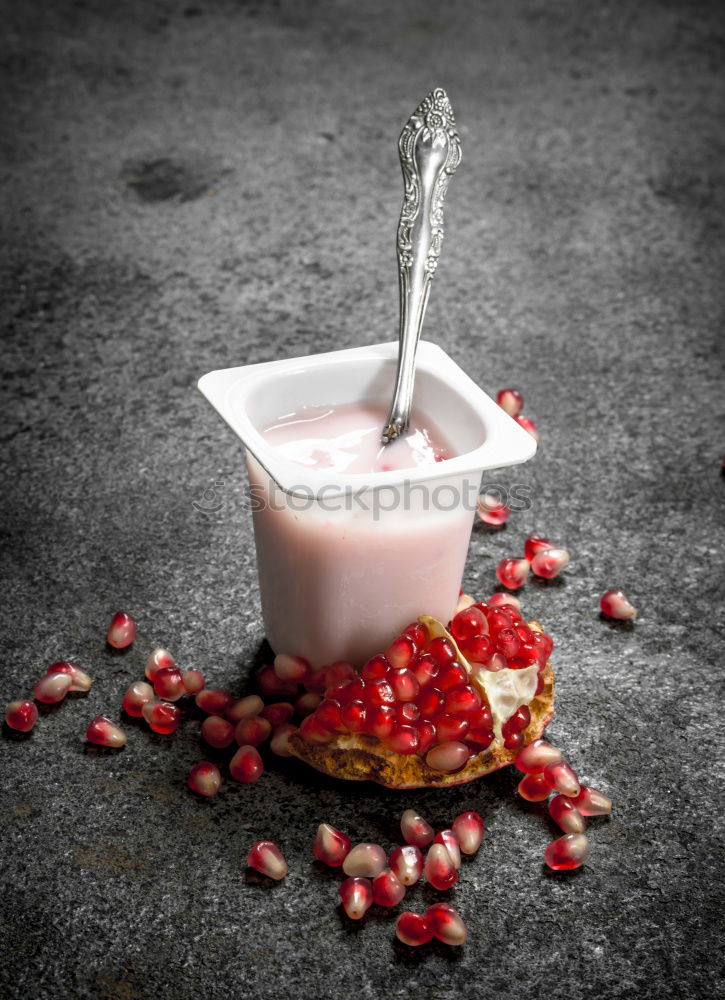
(345, 562)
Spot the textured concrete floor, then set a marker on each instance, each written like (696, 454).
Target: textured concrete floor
(188, 186)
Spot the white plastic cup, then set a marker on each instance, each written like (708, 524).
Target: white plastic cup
(347, 561)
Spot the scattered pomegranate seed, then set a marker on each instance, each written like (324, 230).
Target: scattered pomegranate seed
(279, 742)
(246, 765)
(407, 863)
(252, 731)
(450, 841)
(158, 659)
(566, 815)
(512, 573)
(105, 733)
(266, 858)
(491, 510)
(244, 708)
(331, 846)
(561, 778)
(412, 929)
(439, 870)
(614, 604)
(307, 703)
(168, 684)
(52, 688)
(161, 717)
(448, 757)
(273, 686)
(388, 890)
(469, 828)
(217, 732)
(291, 668)
(415, 829)
(529, 426)
(591, 802)
(278, 713)
(534, 788)
(194, 681)
(21, 715)
(315, 683)
(365, 860)
(138, 694)
(550, 563)
(121, 631)
(568, 852)
(356, 895)
(214, 702)
(535, 544)
(535, 757)
(500, 598)
(446, 924)
(204, 779)
(80, 681)
(511, 401)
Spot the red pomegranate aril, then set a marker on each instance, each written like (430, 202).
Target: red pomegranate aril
(161, 717)
(158, 659)
(513, 573)
(194, 681)
(418, 632)
(535, 757)
(535, 544)
(138, 694)
(104, 732)
(542, 641)
(312, 732)
(450, 676)
(267, 859)
(442, 650)
(404, 684)
(462, 700)
(413, 930)
(380, 720)
(388, 890)
(339, 673)
(468, 623)
(482, 719)
(514, 741)
(329, 715)
(550, 563)
(439, 870)
(491, 510)
(80, 680)
(407, 863)
(567, 853)
(496, 663)
(401, 652)
(517, 722)
(168, 684)
(213, 701)
(331, 846)
(217, 732)
(450, 841)
(52, 688)
(451, 727)
(376, 669)
(378, 693)
(315, 682)
(121, 631)
(430, 702)
(403, 740)
(534, 788)
(407, 713)
(279, 712)
(447, 924)
(448, 757)
(279, 742)
(356, 895)
(528, 425)
(204, 779)
(566, 815)
(498, 619)
(591, 802)
(246, 765)
(365, 861)
(352, 690)
(479, 738)
(427, 737)
(469, 828)
(251, 731)
(291, 668)
(307, 703)
(415, 829)
(614, 604)
(501, 599)
(561, 778)
(511, 401)
(477, 649)
(354, 717)
(244, 708)
(21, 715)
(507, 643)
(539, 685)
(273, 686)
(425, 669)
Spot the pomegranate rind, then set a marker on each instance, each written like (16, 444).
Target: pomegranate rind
(361, 757)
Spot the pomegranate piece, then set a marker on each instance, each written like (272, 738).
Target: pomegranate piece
(614, 604)
(217, 732)
(415, 829)
(566, 815)
(446, 923)
(52, 688)
(252, 731)
(244, 708)
(550, 563)
(412, 929)
(567, 853)
(214, 702)
(513, 573)
(158, 659)
(121, 631)
(80, 681)
(356, 895)
(21, 715)
(388, 890)
(535, 757)
(439, 870)
(469, 828)
(278, 713)
(138, 694)
(407, 863)
(501, 598)
(450, 841)
(168, 684)
(103, 732)
(365, 860)
(279, 743)
(561, 778)
(265, 857)
(529, 426)
(204, 779)
(246, 765)
(448, 757)
(511, 401)
(291, 668)
(534, 788)
(331, 846)
(194, 681)
(491, 510)
(591, 802)
(161, 717)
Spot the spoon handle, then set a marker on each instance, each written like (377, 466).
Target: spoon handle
(430, 151)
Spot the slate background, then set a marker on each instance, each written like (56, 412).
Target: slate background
(192, 185)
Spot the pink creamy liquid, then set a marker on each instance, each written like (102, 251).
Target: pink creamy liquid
(337, 581)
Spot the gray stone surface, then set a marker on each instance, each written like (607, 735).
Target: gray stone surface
(188, 186)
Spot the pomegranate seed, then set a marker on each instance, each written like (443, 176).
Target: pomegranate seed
(529, 426)
(511, 401)
(243, 708)
(312, 732)
(161, 717)
(307, 703)
(121, 631)
(464, 601)
(550, 563)
(442, 650)
(365, 860)
(251, 731)
(168, 684)
(614, 604)
(331, 846)
(496, 663)
(427, 736)
(380, 721)
(279, 712)
(566, 815)
(388, 890)
(450, 841)
(412, 929)
(450, 727)
(401, 652)
(568, 852)
(80, 681)
(535, 757)
(339, 672)
(354, 717)
(315, 681)
(517, 722)
(204, 779)
(501, 598)
(407, 863)
(273, 686)
(508, 643)
(217, 732)
(446, 924)
(329, 715)
(415, 829)
(403, 740)
(291, 668)
(535, 544)
(462, 700)
(479, 738)
(52, 688)
(379, 693)
(246, 765)
(469, 829)
(193, 680)
(404, 684)
(425, 669)
(356, 895)
(561, 778)
(534, 788)
(138, 695)
(483, 718)
(439, 870)
(279, 743)
(499, 618)
(468, 623)
(214, 702)
(491, 510)
(591, 802)
(21, 715)
(158, 659)
(430, 703)
(448, 757)
(451, 676)
(105, 733)
(376, 669)
(265, 857)
(512, 573)
(514, 741)
(478, 649)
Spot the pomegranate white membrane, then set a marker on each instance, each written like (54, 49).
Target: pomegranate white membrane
(355, 540)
